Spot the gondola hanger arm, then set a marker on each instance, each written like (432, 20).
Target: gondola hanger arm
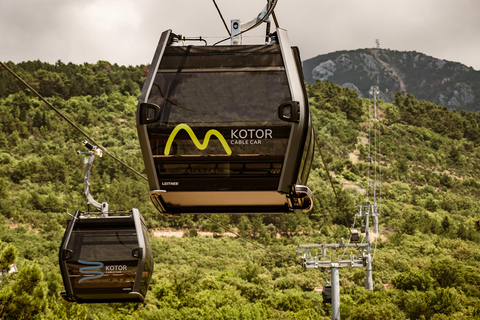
(259, 19)
(263, 16)
(89, 158)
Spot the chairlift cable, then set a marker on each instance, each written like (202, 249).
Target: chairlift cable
(70, 122)
(249, 241)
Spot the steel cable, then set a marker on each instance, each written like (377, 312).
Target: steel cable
(221, 16)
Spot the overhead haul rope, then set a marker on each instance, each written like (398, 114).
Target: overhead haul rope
(331, 182)
(369, 158)
(333, 187)
(375, 159)
(225, 24)
(71, 123)
(221, 16)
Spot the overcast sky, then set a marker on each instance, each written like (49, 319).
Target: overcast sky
(127, 31)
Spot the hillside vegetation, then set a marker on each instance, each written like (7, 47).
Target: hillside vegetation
(428, 247)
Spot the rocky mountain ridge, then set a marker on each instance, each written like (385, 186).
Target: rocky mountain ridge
(442, 82)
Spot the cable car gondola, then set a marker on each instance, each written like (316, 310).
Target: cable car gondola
(354, 236)
(106, 259)
(226, 129)
(327, 293)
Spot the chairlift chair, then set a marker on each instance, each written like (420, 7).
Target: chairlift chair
(226, 129)
(106, 259)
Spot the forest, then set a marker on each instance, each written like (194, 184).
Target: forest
(427, 254)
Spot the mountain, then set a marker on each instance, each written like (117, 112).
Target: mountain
(442, 82)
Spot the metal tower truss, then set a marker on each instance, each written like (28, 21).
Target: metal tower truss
(325, 261)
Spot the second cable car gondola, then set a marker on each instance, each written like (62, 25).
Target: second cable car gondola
(106, 259)
(226, 129)
(327, 293)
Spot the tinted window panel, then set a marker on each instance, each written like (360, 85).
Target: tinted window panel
(102, 259)
(219, 114)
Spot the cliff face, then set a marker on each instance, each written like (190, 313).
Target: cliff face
(442, 82)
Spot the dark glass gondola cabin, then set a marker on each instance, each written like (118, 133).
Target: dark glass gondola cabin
(106, 259)
(354, 236)
(226, 129)
(327, 294)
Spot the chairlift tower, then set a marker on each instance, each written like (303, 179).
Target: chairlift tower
(325, 261)
(374, 92)
(366, 211)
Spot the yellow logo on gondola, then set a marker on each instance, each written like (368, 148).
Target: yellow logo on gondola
(200, 146)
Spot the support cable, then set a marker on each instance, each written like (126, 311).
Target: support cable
(331, 182)
(221, 16)
(71, 123)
